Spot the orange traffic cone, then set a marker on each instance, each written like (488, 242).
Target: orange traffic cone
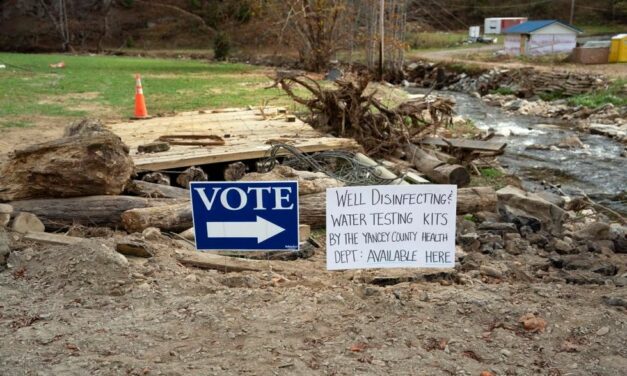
(140, 103)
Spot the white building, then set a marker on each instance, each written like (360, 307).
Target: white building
(496, 25)
(540, 38)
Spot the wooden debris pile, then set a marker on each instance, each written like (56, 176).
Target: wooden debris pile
(524, 82)
(348, 111)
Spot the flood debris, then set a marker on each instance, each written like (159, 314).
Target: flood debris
(90, 161)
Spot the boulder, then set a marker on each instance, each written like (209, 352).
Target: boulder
(5, 214)
(4, 246)
(528, 209)
(594, 231)
(27, 222)
(571, 142)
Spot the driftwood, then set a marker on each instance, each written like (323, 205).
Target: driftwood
(234, 171)
(348, 111)
(88, 161)
(225, 264)
(191, 174)
(175, 218)
(145, 189)
(157, 178)
(436, 170)
(312, 209)
(59, 213)
(308, 182)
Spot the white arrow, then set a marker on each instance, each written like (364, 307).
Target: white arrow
(260, 229)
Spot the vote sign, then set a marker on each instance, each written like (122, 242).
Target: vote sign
(245, 215)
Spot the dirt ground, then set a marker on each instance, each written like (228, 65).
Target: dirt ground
(87, 310)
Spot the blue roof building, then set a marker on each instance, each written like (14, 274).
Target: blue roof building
(541, 37)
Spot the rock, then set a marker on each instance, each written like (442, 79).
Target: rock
(540, 239)
(6, 209)
(517, 246)
(527, 209)
(4, 246)
(560, 246)
(571, 142)
(594, 231)
(25, 222)
(603, 331)
(151, 233)
(4, 219)
(552, 198)
(490, 271)
(618, 234)
(537, 147)
(470, 242)
(157, 178)
(615, 301)
(191, 174)
(131, 247)
(153, 147)
(576, 204)
(498, 227)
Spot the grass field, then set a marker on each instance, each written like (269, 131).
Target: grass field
(104, 87)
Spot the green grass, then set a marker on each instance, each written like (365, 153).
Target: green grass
(602, 29)
(104, 86)
(615, 94)
(437, 40)
(503, 90)
(490, 177)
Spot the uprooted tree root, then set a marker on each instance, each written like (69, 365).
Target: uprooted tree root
(348, 111)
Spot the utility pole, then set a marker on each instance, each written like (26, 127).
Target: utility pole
(381, 31)
(572, 11)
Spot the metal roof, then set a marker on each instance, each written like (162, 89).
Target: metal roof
(531, 26)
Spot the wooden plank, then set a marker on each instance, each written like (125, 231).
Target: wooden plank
(225, 264)
(466, 144)
(48, 238)
(245, 132)
(195, 157)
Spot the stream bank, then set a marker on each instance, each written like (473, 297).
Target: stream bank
(596, 168)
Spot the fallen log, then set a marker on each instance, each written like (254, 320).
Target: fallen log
(308, 182)
(312, 209)
(225, 264)
(175, 218)
(146, 189)
(476, 199)
(88, 161)
(56, 239)
(436, 170)
(60, 213)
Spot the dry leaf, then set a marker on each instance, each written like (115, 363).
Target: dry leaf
(359, 347)
(486, 373)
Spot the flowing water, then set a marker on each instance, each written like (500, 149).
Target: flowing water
(598, 169)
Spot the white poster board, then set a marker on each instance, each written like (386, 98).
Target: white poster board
(391, 226)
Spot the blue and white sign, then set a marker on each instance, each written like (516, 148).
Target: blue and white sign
(245, 215)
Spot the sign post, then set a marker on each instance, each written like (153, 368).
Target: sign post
(245, 215)
(391, 226)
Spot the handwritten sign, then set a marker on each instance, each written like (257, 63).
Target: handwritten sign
(391, 226)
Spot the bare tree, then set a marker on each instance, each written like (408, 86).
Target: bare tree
(57, 12)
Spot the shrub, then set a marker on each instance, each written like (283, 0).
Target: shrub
(221, 46)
